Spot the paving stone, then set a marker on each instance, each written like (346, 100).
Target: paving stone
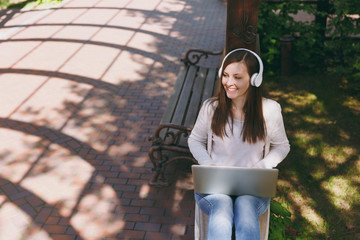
(63, 237)
(131, 234)
(153, 227)
(157, 235)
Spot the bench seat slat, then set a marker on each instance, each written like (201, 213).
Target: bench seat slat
(174, 97)
(194, 102)
(210, 84)
(196, 95)
(183, 100)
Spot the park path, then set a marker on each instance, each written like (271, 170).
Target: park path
(82, 87)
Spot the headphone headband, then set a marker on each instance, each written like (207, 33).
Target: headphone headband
(256, 78)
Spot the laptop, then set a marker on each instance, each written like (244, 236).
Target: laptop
(236, 181)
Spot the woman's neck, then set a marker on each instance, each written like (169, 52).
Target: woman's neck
(237, 109)
(238, 103)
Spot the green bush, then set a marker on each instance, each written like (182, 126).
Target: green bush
(337, 52)
(274, 22)
(280, 222)
(27, 3)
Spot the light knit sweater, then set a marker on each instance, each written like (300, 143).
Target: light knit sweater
(276, 143)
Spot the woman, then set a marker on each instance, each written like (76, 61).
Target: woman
(240, 128)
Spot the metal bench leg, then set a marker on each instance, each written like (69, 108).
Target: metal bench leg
(158, 179)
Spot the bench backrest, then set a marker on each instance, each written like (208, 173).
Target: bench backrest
(193, 86)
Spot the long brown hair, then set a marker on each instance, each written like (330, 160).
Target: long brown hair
(254, 123)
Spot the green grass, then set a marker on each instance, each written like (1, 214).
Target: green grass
(20, 4)
(319, 180)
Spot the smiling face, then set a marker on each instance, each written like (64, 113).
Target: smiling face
(236, 81)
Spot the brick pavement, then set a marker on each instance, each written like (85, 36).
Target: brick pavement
(82, 86)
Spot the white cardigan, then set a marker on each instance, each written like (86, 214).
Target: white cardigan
(276, 143)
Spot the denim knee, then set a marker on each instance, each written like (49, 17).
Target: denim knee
(257, 204)
(213, 202)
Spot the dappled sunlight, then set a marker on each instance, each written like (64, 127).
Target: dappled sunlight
(318, 108)
(58, 169)
(178, 229)
(143, 41)
(94, 121)
(343, 193)
(319, 183)
(171, 6)
(98, 214)
(344, 135)
(57, 92)
(337, 155)
(45, 61)
(123, 149)
(59, 178)
(160, 25)
(309, 142)
(303, 138)
(147, 6)
(318, 120)
(112, 35)
(18, 153)
(319, 173)
(14, 224)
(14, 96)
(181, 189)
(298, 100)
(144, 191)
(303, 204)
(129, 19)
(140, 161)
(353, 104)
(304, 99)
(356, 179)
(127, 68)
(177, 198)
(163, 81)
(93, 58)
(35, 231)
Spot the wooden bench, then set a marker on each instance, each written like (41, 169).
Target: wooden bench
(194, 85)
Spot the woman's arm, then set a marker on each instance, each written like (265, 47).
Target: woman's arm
(199, 135)
(279, 143)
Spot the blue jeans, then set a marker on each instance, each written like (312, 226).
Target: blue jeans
(224, 211)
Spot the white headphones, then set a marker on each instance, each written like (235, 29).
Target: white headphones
(256, 78)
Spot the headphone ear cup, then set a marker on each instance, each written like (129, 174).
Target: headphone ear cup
(253, 79)
(256, 80)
